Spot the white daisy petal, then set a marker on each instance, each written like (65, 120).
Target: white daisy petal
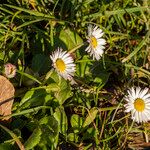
(133, 93)
(137, 92)
(128, 108)
(148, 105)
(102, 41)
(63, 63)
(138, 103)
(143, 92)
(146, 96)
(137, 119)
(145, 115)
(140, 117)
(96, 42)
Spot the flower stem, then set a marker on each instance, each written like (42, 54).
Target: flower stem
(75, 48)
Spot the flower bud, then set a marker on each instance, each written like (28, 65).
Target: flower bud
(9, 70)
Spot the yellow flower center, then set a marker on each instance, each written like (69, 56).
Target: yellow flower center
(60, 65)
(139, 104)
(93, 42)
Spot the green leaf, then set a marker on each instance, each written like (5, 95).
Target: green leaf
(49, 126)
(52, 87)
(52, 77)
(40, 63)
(64, 84)
(27, 96)
(90, 133)
(102, 78)
(61, 117)
(29, 76)
(90, 117)
(1, 55)
(28, 111)
(6, 146)
(76, 122)
(60, 88)
(70, 38)
(27, 81)
(34, 139)
(72, 137)
(29, 23)
(84, 66)
(34, 97)
(63, 95)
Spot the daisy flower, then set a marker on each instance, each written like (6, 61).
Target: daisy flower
(63, 63)
(96, 42)
(138, 103)
(9, 70)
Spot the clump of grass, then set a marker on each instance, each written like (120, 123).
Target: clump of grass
(50, 112)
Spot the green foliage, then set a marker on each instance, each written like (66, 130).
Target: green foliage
(50, 112)
(62, 120)
(91, 116)
(6, 146)
(50, 130)
(40, 63)
(34, 139)
(69, 38)
(76, 122)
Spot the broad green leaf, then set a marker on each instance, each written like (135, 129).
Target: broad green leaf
(27, 96)
(40, 63)
(90, 133)
(49, 126)
(34, 97)
(64, 84)
(63, 95)
(1, 55)
(6, 146)
(83, 67)
(61, 90)
(52, 87)
(86, 2)
(61, 117)
(50, 130)
(52, 77)
(76, 122)
(90, 117)
(72, 137)
(34, 139)
(70, 38)
(48, 74)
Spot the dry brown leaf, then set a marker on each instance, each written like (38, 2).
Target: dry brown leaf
(6, 97)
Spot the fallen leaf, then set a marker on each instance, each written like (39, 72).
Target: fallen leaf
(6, 97)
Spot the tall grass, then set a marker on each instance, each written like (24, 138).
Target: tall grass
(50, 112)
